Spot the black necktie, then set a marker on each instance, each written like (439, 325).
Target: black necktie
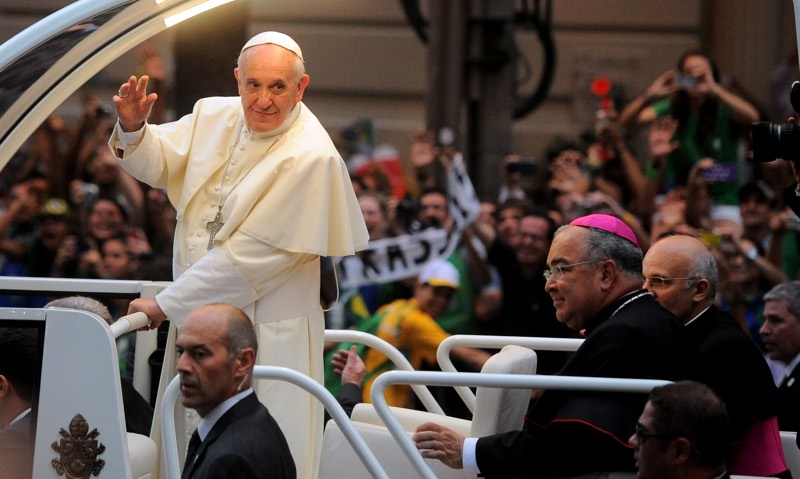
(194, 445)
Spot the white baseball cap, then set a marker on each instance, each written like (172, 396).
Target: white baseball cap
(276, 38)
(440, 273)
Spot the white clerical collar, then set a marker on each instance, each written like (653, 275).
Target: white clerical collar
(701, 313)
(290, 118)
(207, 423)
(20, 417)
(790, 367)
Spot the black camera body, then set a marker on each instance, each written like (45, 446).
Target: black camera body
(772, 141)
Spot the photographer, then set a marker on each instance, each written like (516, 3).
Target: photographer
(712, 121)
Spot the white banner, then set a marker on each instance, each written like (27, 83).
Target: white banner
(401, 257)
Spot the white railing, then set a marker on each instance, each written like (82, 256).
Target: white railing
(391, 378)
(170, 446)
(395, 356)
(492, 342)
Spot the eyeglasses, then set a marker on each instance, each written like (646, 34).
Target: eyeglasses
(642, 433)
(558, 271)
(657, 282)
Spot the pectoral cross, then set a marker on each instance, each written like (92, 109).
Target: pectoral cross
(214, 227)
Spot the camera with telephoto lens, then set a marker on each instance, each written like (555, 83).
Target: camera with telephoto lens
(772, 141)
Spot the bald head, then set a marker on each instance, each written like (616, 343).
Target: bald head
(237, 326)
(681, 274)
(216, 348)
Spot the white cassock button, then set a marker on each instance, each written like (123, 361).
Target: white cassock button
(199, 234)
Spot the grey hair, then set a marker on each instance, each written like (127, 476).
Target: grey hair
(704, 266)
(82, 303)
(790, 291)
(602, 245)
(299, 65)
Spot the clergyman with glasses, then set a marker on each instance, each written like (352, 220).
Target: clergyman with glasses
(682, 432)
(261, 193)
(681, 274)
(594, 278)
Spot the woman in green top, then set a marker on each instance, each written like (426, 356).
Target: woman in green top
(712, 121)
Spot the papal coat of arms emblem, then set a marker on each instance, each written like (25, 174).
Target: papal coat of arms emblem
(79, 449)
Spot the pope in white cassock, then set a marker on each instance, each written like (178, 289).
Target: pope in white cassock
(261, 193)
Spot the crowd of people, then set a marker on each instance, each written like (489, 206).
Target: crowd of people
(70, 210)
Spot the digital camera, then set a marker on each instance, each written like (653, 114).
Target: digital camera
(773, 140)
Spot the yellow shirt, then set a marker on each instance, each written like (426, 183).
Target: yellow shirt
(415, 334)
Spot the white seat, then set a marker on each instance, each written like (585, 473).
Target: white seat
(143, 453)
(339, 460)
(790, 452)
(497, 410)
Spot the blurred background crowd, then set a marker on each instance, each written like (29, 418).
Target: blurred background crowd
(674, 159)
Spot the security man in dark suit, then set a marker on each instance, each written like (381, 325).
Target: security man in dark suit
(237, 436)
(781, 334)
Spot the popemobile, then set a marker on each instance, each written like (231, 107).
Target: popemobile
(75, 424)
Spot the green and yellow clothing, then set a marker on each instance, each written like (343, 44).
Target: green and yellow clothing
(413, 332)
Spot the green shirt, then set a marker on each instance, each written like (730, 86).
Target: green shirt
(723, 145)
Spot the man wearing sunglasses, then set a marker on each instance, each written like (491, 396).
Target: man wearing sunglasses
(681, 274)
(595, 282)
(682, 432)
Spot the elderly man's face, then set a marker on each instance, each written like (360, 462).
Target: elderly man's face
(780, 331)
(207, 374)
(268, 86)
(575, 290)
(669, 259)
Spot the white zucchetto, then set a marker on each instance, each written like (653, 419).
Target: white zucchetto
(276, 38)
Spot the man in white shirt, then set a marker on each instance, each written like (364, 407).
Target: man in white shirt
(781, 334)
(237, 436)
(261, 193)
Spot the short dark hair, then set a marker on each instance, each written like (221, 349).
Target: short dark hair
(691, 410)
(18, 353)
(241, 333)
(542, 214)
(433, 190)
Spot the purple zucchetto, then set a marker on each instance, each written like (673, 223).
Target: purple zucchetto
(609, 223)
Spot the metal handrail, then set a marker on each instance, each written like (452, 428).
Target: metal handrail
(170, 445)
(395, 356)
(131, 322)
(540, 344)
(571, 383)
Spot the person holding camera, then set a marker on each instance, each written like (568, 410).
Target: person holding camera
(712, 121)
